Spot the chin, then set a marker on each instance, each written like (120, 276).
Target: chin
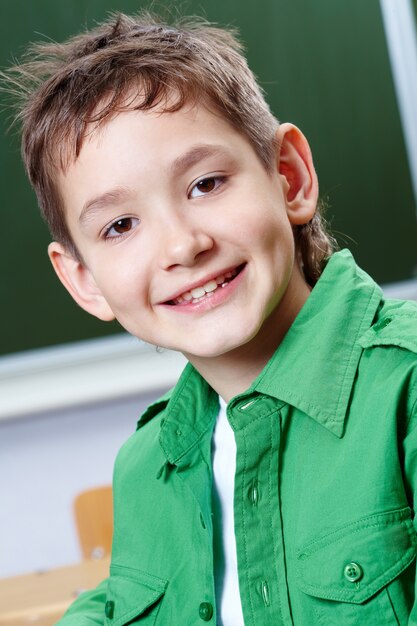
(220, 346)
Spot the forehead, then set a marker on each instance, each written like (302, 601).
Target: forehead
(138, 147)
(157, 127)
(154, 125)
(133, 111)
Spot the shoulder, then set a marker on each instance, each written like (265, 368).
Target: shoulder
(390, 345)
(395, 325)
(143, 447)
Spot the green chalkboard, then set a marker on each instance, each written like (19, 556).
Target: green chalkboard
(324, 65)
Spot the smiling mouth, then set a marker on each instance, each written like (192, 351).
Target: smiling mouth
(203, 292)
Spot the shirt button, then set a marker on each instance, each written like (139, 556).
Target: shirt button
(206, 611)
(382, 324)
(254, 493)
(109, 609)
(353, 572)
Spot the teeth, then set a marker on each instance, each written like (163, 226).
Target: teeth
(198, 292)
(210, 286)
(207, 289)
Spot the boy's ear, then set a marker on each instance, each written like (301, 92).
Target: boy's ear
(295, 164)
(78, 280)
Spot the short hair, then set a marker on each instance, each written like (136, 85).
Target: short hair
(63, 87)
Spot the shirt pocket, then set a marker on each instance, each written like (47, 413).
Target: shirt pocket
(132, 597)
(352, 567)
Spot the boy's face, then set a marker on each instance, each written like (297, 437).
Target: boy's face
(186, 238)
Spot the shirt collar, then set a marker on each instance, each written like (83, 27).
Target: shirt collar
(315, 365)
(190, 414)
(313, 369)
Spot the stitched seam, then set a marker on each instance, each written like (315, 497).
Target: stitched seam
(274, 543)
(134, 575)
(192, 444)
(195, 442)
(331, 418)
(338, 594)
(210, 561)
(360, 526)
(244, 527)
(309, 405)
(353, 532)
(174, 404)
(261, 417)
(354, 346)
(134, 612)
(179, 391)
(394, 342)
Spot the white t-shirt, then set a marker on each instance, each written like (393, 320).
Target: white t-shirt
(229, 607)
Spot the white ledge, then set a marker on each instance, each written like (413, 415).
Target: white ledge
(84, 372)
(98, 370)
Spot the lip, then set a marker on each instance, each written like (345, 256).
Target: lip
(218, 297)
(203, 281)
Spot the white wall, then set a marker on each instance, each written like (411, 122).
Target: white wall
(45, 460)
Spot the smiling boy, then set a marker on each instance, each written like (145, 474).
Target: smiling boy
(275, 484)
(162, 204)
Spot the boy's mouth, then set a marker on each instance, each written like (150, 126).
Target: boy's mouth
(206, 290)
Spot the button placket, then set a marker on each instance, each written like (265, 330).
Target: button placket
(257, 513)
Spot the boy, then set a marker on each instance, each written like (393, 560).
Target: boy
(275, 484)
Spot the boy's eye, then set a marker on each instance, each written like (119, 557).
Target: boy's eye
(205, 186)
(121, 227)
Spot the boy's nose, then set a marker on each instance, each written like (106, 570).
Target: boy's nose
(182, 245)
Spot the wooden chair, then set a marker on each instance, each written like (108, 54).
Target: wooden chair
(94, 519)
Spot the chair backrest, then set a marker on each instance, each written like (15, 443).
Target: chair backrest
(94, 519)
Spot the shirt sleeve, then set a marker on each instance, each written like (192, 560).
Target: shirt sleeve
(410, 470)
(88, 608)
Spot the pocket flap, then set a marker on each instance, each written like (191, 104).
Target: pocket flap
(129, 593)
(352, 563)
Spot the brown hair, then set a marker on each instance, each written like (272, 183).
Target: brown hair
(62, 88)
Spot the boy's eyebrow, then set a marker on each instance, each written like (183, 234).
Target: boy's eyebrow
(180, 164)
(195, 154)
(113, 196)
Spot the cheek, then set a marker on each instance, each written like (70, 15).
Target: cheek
(121, 285)
(273, 234)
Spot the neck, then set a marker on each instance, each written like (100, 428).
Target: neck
(232, 373)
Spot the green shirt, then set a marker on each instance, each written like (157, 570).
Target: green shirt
(326, 474)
